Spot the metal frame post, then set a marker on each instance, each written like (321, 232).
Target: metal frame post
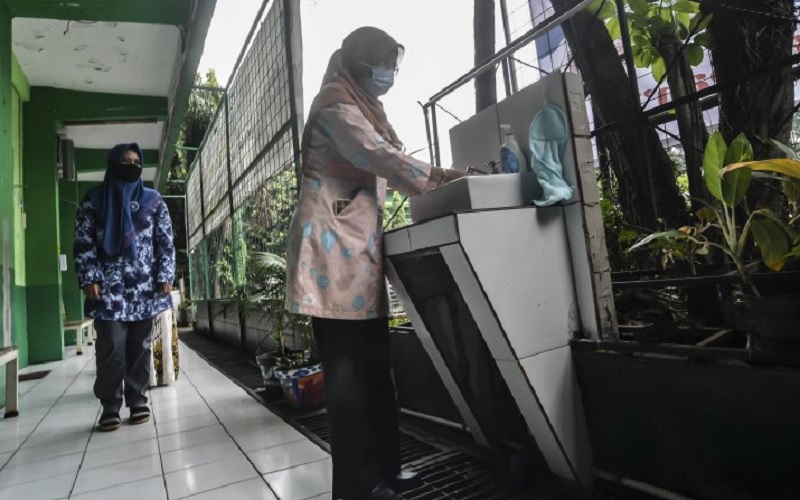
(206, 277)
(235, 229)
(512, 87)
(186, 231)
(634, 90)
(288, 23)
(425, 109)
(436, 155)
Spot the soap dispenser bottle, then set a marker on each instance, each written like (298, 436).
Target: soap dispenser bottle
(512, 160)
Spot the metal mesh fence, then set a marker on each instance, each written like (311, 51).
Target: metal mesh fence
(241, 189)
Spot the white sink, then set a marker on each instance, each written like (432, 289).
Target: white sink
(477, 192)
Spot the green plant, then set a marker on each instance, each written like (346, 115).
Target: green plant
(728, 173)
(265, 292)
(398, 321)
(649, 21)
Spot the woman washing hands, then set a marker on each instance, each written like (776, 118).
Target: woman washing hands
(351, 154)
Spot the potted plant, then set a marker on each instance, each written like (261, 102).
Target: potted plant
(728, 173)
(298, 373)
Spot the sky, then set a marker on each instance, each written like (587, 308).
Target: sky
(437, 35)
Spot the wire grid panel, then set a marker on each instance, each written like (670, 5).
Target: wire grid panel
(197, 265)
(266, 215)
(215, 163)
(258, 135)
(194, 201)
(273, 162)
(259, 96)
(217, 217)
(195, 239)
(219, 247)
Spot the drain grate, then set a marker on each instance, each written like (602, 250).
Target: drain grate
(455, 475)
(316, 424)
(412, 449)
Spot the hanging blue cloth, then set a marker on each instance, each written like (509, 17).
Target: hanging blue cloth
(122, 208)
(548, 142)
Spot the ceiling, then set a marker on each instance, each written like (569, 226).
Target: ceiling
(147, 48)
(147, 135)
(109, 57)
(175, 12)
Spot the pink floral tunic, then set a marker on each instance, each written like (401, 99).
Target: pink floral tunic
(335, 260)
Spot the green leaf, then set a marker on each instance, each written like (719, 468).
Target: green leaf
(641, 41)
(666, 16)
(704, 40)
(614, 28)
(769, 214)
(772, 242)
(694, 54)
(640, 7)
(707, 214)
(712, 164)
(735, 186)
(783, 148)
(659, 68)
(637, 22)
(642, 56)
(672, 234)
(791, 188)
(687, 6)
(740, 150)
(603, 9)
(683, 31)
(700, 22)
(684, 20)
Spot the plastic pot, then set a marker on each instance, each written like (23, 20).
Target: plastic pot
(777, 319)
(302, 387)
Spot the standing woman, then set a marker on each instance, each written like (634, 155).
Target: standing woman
(125, 261)
(335, 257)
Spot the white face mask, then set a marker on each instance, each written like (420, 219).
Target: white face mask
(380, 83)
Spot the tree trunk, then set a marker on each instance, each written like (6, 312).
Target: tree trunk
(636, 145)
(483, 28)
(691, 127)
(743, 42)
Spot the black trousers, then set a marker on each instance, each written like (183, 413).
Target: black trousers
(122, 353)
(362, 407)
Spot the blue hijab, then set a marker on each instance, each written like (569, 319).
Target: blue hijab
(122, 209)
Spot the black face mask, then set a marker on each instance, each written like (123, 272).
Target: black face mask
(127, 172)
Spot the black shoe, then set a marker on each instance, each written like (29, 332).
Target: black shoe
(404, 481)
(140, 415)
(109, 421)
(383, 492)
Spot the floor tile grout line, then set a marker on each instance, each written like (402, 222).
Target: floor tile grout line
(296, 466)
(114, 486)
(91, 434)
(158, 443)
(215, 489)
(83, 458)
(246, 456)
(71, 492)
(55, 403)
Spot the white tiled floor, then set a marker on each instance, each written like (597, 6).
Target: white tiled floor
(208, 440)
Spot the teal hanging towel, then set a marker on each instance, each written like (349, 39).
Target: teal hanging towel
(548, 142)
